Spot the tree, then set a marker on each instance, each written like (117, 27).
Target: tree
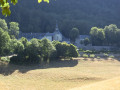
(62, 49)
(35, 52)
(6, 6)
(3, 24)
(97, 36)
(14, 29)
(4, 39)
(86, 41)
(24, 41)
(74, 34)
(15, 46)
(47, 49)
(29, 55)
(111, 33)
(66, 50)
(73, 51)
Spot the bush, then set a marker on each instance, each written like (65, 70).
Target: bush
(14, 60)
(85, 55)
(92, 55)
(105, 54)
(111, 56)
(6, 59)
(66, 50)
(81, 49)
(25, 60)
(98, 57)
(88, 51)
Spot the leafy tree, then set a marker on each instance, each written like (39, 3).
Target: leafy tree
(86, 41)
(3, 24)
(36, 51)
(24, 41)
(15, 46)
(74, 34)
(29, 55)
(4, 39)
(73, 51)
(111, 32)
(14, 29)
(97, 36)
(117, 37)
(47, 49)
(62, 49)
(66, 50)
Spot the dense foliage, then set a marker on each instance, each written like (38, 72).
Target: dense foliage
(33, 51)
(82, 14)
(105, 36)
(4, 40)
(74, 34)
(43, 51)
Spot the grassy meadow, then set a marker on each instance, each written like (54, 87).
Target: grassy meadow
(77, 74)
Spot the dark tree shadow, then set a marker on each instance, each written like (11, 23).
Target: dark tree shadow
(8, 69)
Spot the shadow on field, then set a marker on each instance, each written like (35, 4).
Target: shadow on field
(8, 69)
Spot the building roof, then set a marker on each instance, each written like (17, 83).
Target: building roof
(49, 34)
(57, 31)
(31, 35)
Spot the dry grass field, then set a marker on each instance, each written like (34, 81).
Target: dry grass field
(79, 74)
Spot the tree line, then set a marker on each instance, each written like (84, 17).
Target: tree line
(33, 51)
(109, 35)
(82, 14)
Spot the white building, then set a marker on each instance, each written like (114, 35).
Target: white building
(56, 35)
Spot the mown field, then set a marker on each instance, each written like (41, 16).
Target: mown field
(64, 75)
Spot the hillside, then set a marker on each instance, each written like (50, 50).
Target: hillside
(83, 14)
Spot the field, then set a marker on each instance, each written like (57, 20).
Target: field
(77, 74)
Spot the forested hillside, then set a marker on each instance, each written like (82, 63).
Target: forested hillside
(82, 14)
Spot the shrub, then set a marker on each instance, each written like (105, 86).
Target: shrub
(14, 60)
(111, 56)
(92, 55)
(88, 51)
(105, 54)
(85, 55)
(86, 41)
(6, 59)
(98, 57)
(81, 49)
(66, 50)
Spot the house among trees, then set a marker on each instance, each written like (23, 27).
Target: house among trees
(80, 40)
(56, 35)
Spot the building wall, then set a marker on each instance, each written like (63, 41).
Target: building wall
(57, 37)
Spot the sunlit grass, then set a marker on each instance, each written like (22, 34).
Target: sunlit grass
(86, 72)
